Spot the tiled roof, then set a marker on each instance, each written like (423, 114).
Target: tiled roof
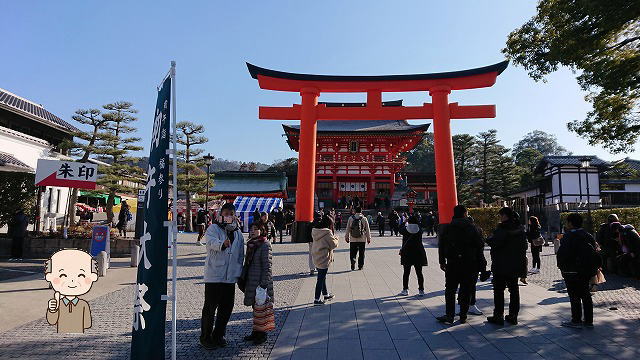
(248, 182)
(22, 106)
(362, 126)
(570, 160)
(8, 160)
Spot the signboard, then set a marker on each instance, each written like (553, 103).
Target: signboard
(100, 240)
(140, 214)
(149, 308)
(64, 173)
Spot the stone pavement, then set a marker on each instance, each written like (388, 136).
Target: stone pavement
(619, 294)
(367, 320)
(110, 336)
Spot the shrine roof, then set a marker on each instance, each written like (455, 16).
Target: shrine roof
(256, 70)
(361, 126)
(249, 182)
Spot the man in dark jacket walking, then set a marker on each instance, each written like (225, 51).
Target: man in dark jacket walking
(508, 263)
(18, 231)
(577, 262)
(460, 250)
(380, 222)
(394, 227)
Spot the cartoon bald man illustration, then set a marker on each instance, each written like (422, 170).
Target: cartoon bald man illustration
(71, 273)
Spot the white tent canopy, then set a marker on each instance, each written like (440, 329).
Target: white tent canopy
(246, 205)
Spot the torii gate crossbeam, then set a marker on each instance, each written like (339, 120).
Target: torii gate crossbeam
(439, 86)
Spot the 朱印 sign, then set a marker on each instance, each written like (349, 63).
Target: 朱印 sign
(64, 173)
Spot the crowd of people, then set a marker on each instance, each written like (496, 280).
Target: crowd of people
(460, 253)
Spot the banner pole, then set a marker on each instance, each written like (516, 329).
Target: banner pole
(174, 232)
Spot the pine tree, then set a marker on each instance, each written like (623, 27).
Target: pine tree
(488, 149)
(84, 144)
(464, 146)
(116, 146)
(191, 178)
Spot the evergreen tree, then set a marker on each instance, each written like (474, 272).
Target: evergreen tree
(84, 144)
(600, 41)
(505, 173)
(421, 158)
(545, 143)
(527, 160)
(464, 146)
(191, 178)
(488, 150)
(464, 154)
(116, 146)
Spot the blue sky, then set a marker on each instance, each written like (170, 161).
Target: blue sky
(79, 54)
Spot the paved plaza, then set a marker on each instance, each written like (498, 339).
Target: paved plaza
(366, 320)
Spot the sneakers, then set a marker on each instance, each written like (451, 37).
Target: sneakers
(420, 292)
(511, 320)
(404, 292)
(495, 320)
(207, 344)
(572, 324)
(329, 297)
(318, 302)
(445, 320)
(199, 243)
(312, 272)
(534, 271)
(524, 280)
(259, 338)
(463, 319)
(474, 310)
(250, 337)
(221, 342)
(353, 267)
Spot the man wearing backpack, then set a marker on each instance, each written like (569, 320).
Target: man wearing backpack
(357, 232)
(578, 261)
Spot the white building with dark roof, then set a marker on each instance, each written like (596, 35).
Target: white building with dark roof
(29, 132)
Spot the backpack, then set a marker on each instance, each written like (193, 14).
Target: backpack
(129, 216)
(357, 227)
(589, 261)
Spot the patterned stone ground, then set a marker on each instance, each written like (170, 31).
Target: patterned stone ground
(110, 336)
(618, 292)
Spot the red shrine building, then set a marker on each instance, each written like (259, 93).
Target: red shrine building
(359, 158)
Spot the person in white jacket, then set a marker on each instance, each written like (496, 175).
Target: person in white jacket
(357, 233)
(223, 267)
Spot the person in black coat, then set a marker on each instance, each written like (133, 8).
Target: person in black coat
(412, 253)
(577, 247)
(380, 222)
(609, 244)
(17, 232)
(533, 233)
(393, 222)
(508, 263)
(460, 251)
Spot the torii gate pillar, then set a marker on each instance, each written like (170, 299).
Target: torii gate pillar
(306, 182)
(443, 147)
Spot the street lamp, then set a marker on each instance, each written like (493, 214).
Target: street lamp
(208, 160)
(585, 162)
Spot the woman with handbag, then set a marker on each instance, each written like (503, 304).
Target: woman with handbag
(256, 280)
(537, 241)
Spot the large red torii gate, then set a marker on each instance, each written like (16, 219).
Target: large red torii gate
(439, 85)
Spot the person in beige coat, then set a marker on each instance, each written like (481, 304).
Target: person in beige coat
(324, 241)
(356, 234)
